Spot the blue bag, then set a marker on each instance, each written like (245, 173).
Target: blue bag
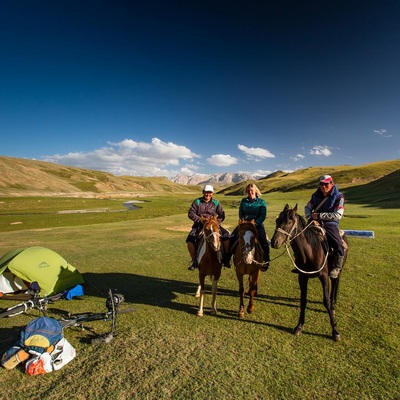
(40, 335)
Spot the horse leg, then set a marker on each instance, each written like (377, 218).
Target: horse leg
(198, 291)
(253, 280)
(214, 296)
(303, 283)
(241, 294)
(328, 305)
(334, 293)
(202, 291)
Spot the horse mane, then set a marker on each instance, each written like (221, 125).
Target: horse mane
(208, 222)
(312, 237)
(248, 226)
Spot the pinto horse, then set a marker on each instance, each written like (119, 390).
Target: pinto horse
(311, 259)
(247, 259)
(209, 258)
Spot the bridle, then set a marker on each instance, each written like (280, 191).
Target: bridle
(289, 239)
(213, 235)
(249, 247)
(289, 234)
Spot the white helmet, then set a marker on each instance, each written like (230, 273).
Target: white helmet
(208, 188)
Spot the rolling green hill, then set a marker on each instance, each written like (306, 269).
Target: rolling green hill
(345, 176)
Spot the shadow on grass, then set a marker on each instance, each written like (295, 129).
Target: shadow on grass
(160, 292)
(163, 293)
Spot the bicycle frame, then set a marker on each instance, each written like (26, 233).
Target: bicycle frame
(36, 302)
(112, 303)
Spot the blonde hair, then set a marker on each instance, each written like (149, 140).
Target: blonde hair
(253, 186)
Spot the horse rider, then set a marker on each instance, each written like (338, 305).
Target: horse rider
(254, 207)
(327, 207)
(207, 207)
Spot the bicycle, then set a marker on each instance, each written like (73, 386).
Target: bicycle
(113, 301)
(36, 302)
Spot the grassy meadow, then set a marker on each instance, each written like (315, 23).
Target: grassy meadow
(164, 351)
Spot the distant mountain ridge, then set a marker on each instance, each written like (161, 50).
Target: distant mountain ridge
(376, 183)
(223, 179)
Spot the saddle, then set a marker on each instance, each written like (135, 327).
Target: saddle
(321, 233)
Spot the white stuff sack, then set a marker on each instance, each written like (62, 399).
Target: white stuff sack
(62, 354)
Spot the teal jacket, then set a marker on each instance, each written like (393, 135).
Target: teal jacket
(256, 209)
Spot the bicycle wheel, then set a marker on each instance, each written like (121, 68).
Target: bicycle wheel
(13, 311)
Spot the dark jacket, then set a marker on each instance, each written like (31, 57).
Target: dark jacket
(331, 211)
(200, 207)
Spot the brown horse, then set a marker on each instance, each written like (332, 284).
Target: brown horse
(209, 259)
(311, 259)
(247, 259)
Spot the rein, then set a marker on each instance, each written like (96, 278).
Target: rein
(289, 234)
(243, 249)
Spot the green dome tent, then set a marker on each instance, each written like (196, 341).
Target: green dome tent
(26, 265)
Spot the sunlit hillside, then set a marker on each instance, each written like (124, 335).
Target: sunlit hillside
(30, 177)
(376, 183)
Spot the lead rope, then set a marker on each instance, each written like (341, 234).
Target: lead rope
(299, 269)
(294, 237)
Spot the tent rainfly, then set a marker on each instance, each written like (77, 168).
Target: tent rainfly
(20, 267)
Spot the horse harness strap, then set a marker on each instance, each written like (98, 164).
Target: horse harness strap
(306, 272)
(288, 234)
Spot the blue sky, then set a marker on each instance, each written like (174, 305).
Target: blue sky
(152, 88)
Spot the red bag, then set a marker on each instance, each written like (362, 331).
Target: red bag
(35, 367)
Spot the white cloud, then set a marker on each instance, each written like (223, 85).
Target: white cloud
(129, 157)
(261, 173)
(255, 153)
(382, 132)
(321, 151)
(222, 160)
(298, 157)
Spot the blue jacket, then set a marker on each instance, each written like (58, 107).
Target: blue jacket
(333, 208)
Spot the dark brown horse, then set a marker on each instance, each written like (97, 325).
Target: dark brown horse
(311, 259)
(209, 259)
(247, 258)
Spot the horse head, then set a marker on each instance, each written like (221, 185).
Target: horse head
(247, 240)
(285, 226)
(212, 232)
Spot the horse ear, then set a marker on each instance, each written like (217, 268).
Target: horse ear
(295, 208)
(286, 207)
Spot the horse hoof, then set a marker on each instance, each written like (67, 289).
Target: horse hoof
(337, 338)
(296, 331)
(197, 295)
(250, 310)
(213, 312)
(241, 314)
(199, 313)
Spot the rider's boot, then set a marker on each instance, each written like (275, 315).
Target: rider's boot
(226, 260)
(266, 258)
(193, 265)
(337, 266)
